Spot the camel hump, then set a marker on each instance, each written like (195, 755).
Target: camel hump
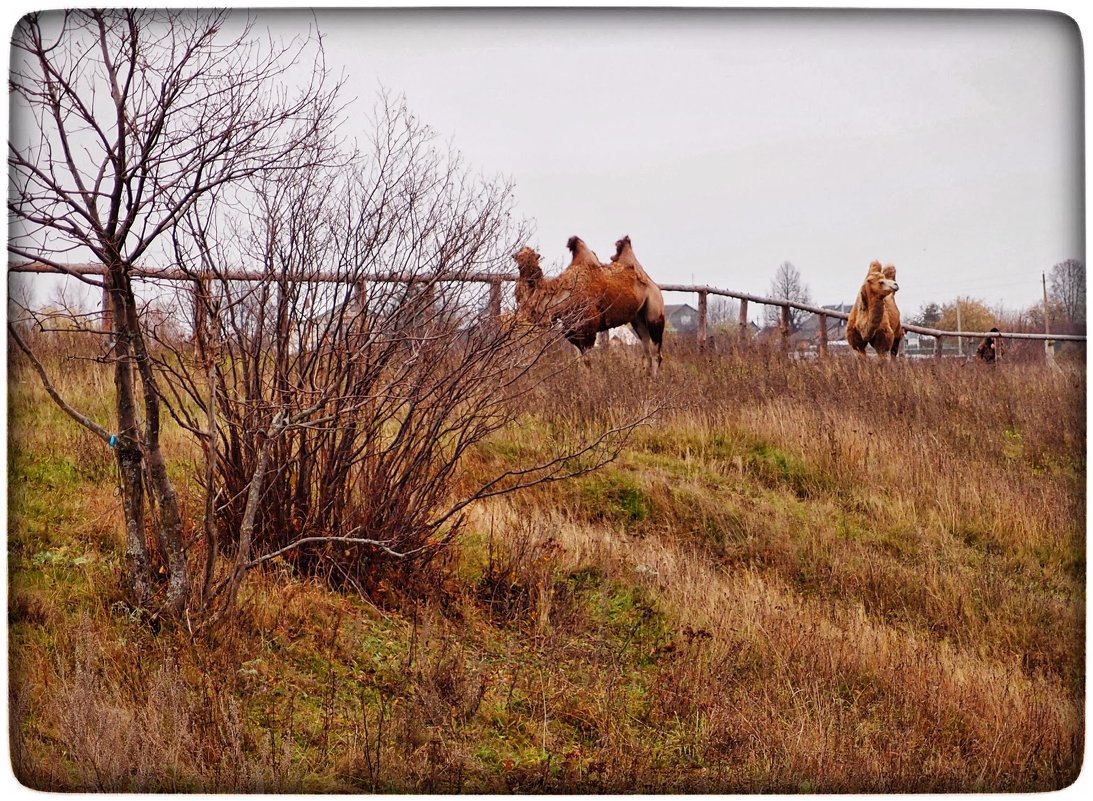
(624, 258)
(624, 251)
(889, 272)
(582, 254)
(875, 267)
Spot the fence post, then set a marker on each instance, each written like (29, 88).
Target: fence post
(743, 317)
(199, 293)
(937, 347)
(702, 301)
(784, 328)
(107, 320)
(430, 301)
(495, 297)
(357, 309)
(823, 335)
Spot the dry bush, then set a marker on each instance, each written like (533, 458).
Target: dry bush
(338, 394)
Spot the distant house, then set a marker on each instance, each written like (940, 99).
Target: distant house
(681, 317)
(836, 326)
(808, 333)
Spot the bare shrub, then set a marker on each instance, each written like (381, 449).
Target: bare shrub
(338, 385)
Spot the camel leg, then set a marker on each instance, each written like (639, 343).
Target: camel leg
(651, 335)
(638, 324)
(656, 331)
(584, 343)
(883, 345)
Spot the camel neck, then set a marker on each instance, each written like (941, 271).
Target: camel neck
(874, 315)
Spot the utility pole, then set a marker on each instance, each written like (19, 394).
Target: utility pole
(1049, 351)
(959, 328)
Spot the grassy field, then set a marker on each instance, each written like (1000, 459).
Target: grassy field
(803, 576)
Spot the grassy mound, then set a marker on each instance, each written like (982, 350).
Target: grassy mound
(825, 576)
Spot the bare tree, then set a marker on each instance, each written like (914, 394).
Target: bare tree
(723, 313)
(1067, 280)
(787, 285)
(125, 120)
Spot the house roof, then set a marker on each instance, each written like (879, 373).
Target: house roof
(811, 324)
(671, 309)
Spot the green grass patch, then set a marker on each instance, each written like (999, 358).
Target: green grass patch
(616, 497)
(780, 468)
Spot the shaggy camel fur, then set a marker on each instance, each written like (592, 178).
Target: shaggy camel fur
(990, 349)
(874, 320)
(589, 297)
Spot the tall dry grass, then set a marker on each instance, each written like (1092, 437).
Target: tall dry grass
(827, 576)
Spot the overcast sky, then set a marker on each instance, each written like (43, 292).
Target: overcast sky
(725, 142)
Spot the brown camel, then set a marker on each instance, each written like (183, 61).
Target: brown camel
(589, 297)
(990, 349)
(874, 319)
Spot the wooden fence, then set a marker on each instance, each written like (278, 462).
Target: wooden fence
(496, 280)
(822, 315)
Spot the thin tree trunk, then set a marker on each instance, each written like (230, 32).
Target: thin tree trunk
(128, 452)
(206, 347)
(135, 451)
(250, 512)
(169, 530)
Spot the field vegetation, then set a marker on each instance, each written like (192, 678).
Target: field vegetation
(826, 575)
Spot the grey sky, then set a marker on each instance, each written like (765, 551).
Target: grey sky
(726, 142)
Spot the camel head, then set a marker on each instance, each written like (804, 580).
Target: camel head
(879, 282)
(527, 262)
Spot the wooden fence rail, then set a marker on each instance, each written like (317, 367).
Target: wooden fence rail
(495, 281)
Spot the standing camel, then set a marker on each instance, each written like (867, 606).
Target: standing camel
(874, 319)
(589, 297)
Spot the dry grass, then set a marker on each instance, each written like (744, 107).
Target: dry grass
(828, 576)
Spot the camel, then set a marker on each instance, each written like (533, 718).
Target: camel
(990, 349)
(874, 319)
(589, 297)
